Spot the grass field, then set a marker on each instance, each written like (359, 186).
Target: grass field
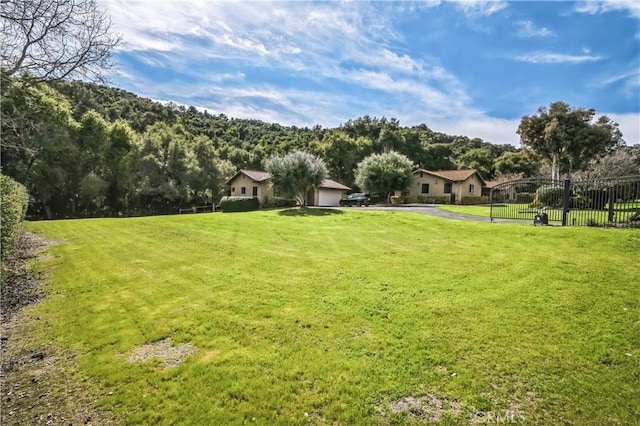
(333, 317)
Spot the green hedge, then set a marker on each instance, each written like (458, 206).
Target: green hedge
(278, 202)
(14, 201)
(424, 199)
(238, 204)
(470, 200)
(549, 195)
(525, 197)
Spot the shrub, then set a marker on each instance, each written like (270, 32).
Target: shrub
(278, 202)
(524, 197)
(424, 199)
(14, 202)
(442, 199)
(415, 199)
(238, 204)
(470, 200)
(549, 195)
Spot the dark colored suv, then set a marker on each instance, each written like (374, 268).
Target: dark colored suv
(356, 199)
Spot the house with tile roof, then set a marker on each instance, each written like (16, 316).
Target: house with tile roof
(455, 184)
(251, 183)
(256, 183)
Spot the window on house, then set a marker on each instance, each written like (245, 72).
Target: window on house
(243, 190)
(447, 188)
(233, 189)
(425, 188)
(471, 188)
(255, 191)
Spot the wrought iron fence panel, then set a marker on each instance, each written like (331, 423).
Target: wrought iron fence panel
(592, 202)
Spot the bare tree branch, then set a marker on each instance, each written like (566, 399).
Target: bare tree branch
(55, 39)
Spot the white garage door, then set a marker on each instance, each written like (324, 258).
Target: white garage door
(328, 197)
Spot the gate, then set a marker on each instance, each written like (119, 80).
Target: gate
(593, 202)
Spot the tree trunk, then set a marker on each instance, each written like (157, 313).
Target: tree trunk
(47, 210)
(555, 167)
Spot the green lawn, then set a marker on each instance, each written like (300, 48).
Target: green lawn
(330, 316)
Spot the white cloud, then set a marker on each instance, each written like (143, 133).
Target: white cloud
(331, 44)
(499, 130)
(556, 58)
(476, 8)
(348, 43)
(490, 129)
(528, 30)
(630, 80)
(632, 7)
(629, 126)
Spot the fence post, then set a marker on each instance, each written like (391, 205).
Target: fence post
(612, 200)
(565, 201)
(491, 205)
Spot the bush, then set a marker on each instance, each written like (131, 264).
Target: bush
(524, 197)
(422, 199)
(14, 202)
(415, 199)
(549, 195)
(471, 200)
(278, 202)
(442, 199)
(238, 204)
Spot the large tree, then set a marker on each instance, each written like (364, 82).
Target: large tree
(296, 174)
(480, 159)
(55, 39)
(515, 163)
(624, 161)
(568, 137)
(384, 173)
(38, 146)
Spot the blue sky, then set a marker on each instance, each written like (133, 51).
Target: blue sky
(469, 68)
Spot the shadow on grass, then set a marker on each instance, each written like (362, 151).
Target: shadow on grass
(309, 212)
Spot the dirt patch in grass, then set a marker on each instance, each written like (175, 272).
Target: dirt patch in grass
(426, 408)
(40, 385)
(22, 285)
(163, 351)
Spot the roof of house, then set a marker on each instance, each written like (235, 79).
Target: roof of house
(491, 183)
(260, 176)
(332, 184)
(453, 175)
(254, 175)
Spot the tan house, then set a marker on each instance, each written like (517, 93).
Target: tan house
(456, 184)
(251, 183)
(255, 183)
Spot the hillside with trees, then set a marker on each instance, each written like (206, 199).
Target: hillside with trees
(84, 149)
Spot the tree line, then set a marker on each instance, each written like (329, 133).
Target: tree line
(84, 149)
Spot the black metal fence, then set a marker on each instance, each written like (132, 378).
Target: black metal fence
(593, 202)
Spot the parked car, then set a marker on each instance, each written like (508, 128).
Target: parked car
(356, 199)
